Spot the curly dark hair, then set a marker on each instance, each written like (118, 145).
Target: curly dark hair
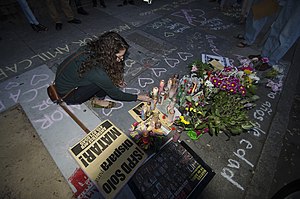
(102, 53)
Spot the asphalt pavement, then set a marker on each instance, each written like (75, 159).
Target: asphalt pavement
(165, 37)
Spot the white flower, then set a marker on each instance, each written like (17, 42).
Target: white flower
(208, 84)
(254, 78)
(278, 68)
(194, 68)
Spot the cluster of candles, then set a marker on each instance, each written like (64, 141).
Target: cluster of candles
(190, 86)
(165, 90)
(159, 95)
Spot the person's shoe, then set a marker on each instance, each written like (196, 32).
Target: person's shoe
(97, 103)
(41, 27)
(75, 21)
(125, 2)
(131, 2)
(82, 11)
(35, 28)
(58, 26)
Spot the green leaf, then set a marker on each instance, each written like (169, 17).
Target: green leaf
(211, 129)
(189, 98)
(236, 130)
(247, 126)
(254, 98)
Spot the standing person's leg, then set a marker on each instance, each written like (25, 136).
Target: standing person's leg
(67, 9)
(253, 28)
(284, 32)
(36, 26)
(27, 11)
(245, 10)
(53, 12)
(79, 7)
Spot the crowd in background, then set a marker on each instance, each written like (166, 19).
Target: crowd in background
(282, 34)
(253, 13)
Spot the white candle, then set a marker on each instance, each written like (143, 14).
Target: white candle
(171, 115)
(161, 85)
(169, 85)
(171, 105)
(155, 91)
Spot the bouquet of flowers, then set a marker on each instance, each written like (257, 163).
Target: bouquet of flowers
(221, 102)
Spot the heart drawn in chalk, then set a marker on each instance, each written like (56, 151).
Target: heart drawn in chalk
(11, 85)
(184, 55)
(107, 112)
(158, 71)
(171, 62)
(144, 81)
(169, 34)
(129, 63)
(134, 71)
(38, 78)
(136, 24)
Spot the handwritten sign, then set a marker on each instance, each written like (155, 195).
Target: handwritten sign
(108, 157)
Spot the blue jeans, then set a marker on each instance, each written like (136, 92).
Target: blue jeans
(284, 32)
(27, 11)
(253, 27)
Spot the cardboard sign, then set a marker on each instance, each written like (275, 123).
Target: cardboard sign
(108, 157)
(224, 61)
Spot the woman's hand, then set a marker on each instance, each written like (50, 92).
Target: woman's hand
(144, 98)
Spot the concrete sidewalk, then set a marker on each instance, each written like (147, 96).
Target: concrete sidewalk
(164, 37)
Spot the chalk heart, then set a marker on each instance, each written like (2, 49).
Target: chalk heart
(150, 61)
(11, 85)
(38, 78)
(134, 71)
(158, 71)
(129, 63)
(144, 81)
(136, 24)
(169, 34)
(107, 112)
(171, 62)
(184, 55)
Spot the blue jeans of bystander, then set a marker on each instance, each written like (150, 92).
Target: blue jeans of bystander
(27, 11)
(284, 32)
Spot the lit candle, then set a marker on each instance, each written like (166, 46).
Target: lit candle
(171, 105)
(171, 115)
(169, 85)
(194, 88)
(162, 98)
(153, 104)
(155, 91)
(144, 112)
(161, 85)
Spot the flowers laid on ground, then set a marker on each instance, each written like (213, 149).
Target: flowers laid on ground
(275, 76)
(214, 101)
